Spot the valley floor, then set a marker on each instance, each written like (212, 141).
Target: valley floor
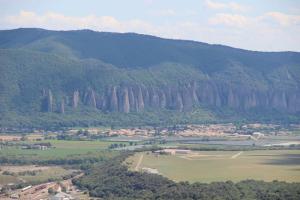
(210, 166)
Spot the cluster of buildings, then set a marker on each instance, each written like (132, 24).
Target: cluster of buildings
(39, 146)
(173, 151)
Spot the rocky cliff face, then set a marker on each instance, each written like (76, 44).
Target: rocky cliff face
(136, 98)
(62, 107)
(47, 101)
(89, 98)
(75, 99)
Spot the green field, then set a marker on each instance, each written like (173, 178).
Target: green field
(210, 166)
(61, 149)
(43, 176)
(61, 152)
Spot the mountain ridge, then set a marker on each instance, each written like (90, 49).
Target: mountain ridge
(64, 71)
(148, 35)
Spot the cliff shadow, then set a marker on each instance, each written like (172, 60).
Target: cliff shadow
(285, 159)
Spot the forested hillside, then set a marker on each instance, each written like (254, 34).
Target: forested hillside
(68, 78)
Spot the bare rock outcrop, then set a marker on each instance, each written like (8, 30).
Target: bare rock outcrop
(154, 98)
(90, 98)
(178, 102)
(62, 106)
(140, 100)
(113, 100)
(180, 97)
(75, 99)
(124, 105)
(47, 101)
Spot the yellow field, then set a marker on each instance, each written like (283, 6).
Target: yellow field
(209, 166)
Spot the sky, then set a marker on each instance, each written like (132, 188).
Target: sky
(264, 25)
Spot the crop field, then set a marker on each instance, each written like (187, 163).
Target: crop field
(210, 166)
(60, 149)
(34, 166)
(43, 173)
(43, 176)
(7, 179)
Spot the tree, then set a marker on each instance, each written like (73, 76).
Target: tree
(51, 191)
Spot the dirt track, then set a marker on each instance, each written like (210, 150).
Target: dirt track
(139, 163)
(236, 155)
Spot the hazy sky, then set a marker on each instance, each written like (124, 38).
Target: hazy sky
(268, 25)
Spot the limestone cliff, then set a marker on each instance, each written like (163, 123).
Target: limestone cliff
(62, 107)
(47, 101)
(75, 99)
(135, 98)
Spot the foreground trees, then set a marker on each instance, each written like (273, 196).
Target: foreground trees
(112, 180)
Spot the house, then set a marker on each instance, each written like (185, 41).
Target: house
(43, 147)
(150, 170)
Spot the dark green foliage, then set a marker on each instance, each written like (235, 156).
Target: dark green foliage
(86, 118)
(112, 180)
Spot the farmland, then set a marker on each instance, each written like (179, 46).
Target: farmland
(60, 149)
(210, 166)
(48, 161)
(19, 174)
(45, 164)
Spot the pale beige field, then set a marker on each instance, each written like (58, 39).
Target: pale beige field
(209, 166)
(44, 173)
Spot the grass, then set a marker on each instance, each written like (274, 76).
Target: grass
(62, 149)
(53, 172)
(210, 166)
(44, 175)
(7, 179)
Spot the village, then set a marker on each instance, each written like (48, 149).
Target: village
(62, 190)
(190, 130)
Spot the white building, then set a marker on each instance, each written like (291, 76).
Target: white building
(174, 151)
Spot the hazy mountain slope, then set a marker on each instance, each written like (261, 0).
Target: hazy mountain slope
(70, 71)
(26, 73)
(134, 50)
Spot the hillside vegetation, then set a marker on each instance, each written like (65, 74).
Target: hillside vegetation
(71, 78)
